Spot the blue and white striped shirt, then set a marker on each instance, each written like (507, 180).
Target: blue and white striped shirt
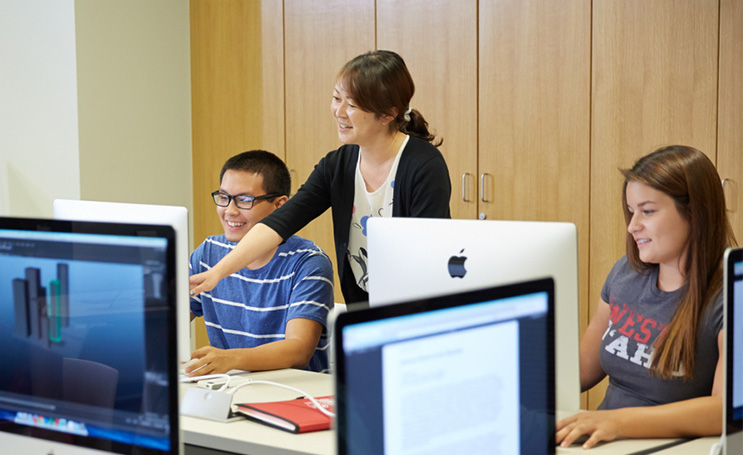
(251, 307)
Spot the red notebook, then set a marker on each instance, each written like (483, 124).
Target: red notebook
(294, 416)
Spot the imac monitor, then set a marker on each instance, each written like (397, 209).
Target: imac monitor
(733, 298)
(470, 372)
(119, 212)
(88, 336)
(412, 258)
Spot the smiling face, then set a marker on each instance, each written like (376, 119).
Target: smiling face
(356, 126)
(237, 222)
(660, 231)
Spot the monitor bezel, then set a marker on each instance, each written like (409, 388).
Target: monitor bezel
(733, 426)
(375, 313)
(114, 229)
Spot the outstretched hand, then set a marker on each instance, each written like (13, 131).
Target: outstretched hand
(202, 282)
(598, 425)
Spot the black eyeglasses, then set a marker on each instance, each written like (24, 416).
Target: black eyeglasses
(242, 201)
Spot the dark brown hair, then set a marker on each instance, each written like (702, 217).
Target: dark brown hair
(691, 180)
(380, 83)
(276, 178)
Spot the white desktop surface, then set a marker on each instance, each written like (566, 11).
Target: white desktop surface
(247, 437)
(621, 447)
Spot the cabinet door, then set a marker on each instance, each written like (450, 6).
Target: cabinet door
(654, 84)
(730, 127)
(534, 82)
(320, 37)
(225, 88)
(444, 70)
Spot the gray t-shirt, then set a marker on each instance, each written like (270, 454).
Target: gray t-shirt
(639, 313)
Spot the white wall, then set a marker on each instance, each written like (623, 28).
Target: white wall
(94, 103)
(39, 157)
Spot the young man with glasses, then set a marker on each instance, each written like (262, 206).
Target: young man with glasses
(273, 313)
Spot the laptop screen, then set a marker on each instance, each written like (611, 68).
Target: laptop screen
(465, 373)
(734, 345)
(87, 333)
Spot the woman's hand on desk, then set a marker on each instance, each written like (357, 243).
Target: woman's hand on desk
(598, 425)
(210, 360)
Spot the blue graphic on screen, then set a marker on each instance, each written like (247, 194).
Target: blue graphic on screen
(66, 316)
(40, 312)
(103, 314)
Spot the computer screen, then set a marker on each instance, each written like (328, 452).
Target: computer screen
(411, 258)
(88, 336)
(120, 212)
(471, 372)
(733, 299)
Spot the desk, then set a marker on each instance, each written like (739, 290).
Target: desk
(246, 437)
(699, 446)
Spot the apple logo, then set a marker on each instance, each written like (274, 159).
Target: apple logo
(456, 265)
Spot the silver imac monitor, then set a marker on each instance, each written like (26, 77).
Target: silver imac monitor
(175, 216)
(88, 336)
(414, 258)
(732, 437)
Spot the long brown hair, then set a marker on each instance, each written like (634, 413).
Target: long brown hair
(689, 177)
(379, 82)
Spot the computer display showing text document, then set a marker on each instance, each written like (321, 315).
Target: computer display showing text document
(435, 387)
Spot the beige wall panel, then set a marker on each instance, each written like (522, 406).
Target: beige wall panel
(445, 76)
(730, 127)
(134, 116)
(654, 83)
(226, 90)
(320, 37)
(534, 82)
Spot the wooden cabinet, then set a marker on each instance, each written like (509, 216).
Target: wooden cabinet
(730, 111)
(445, 74)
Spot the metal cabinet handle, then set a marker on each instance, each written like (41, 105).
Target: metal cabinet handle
(730, 192)
(464, 187)
(482, 187)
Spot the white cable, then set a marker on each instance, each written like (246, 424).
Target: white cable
(302, 393)
(716, 448)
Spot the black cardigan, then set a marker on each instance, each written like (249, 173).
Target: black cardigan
(422, 189)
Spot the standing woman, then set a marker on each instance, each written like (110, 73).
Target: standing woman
(387, 166)
(657, 330)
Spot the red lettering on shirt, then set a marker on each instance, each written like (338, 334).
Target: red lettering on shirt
(616, 316)
(646, 333)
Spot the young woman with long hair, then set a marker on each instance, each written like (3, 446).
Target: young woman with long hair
(657, 330)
